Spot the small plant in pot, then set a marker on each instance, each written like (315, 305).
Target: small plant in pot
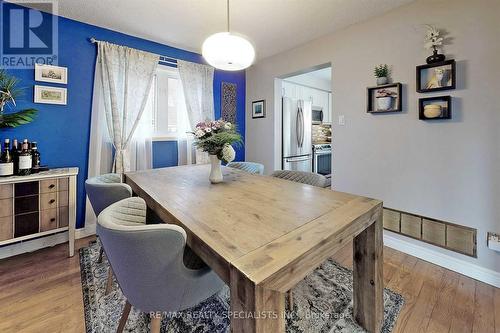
(382, 74)
(385, 99)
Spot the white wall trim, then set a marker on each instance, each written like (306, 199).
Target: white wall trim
(457, 265)
(88, 230)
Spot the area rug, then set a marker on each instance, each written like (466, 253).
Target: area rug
(322, 302)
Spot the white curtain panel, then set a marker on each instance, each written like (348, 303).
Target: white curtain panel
(197, 83)
(101, 145)
(121, 75)
(126, 76)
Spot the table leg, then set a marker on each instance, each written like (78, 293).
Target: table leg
(255, 309)
(368, 289)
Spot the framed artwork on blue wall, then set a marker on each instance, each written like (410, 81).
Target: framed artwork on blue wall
(53, 74)
(228, 107)
(50, 95)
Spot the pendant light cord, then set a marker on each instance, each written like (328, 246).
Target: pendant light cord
(228, 16)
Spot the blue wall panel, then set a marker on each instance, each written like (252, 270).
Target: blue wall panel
(164, 154)
(62, 132)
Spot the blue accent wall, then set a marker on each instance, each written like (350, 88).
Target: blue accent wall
(62, 132)
(164, 154)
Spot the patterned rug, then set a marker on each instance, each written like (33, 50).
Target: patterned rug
(322, 302)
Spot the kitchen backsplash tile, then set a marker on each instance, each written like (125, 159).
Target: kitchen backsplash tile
(321, 133)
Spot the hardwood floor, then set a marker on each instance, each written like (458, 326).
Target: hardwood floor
(41, 292)
(437, 299)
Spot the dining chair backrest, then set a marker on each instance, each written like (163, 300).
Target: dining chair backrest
(304, 177)
(250, 167)
(105, 190)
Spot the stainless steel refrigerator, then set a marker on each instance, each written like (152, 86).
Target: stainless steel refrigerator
(296, 129)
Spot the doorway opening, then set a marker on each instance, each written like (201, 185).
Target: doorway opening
(305, 121)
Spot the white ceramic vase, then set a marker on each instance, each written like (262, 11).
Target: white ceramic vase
(216, 170)
(384, 103)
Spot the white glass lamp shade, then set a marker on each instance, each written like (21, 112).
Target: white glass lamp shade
(228, 52)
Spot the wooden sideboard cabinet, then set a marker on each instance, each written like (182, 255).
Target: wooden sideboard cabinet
(38, 205)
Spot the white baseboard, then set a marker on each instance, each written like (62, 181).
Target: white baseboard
(88, 230)
(42, 242)
(457, 265)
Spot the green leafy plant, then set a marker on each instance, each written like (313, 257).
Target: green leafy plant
(381, 70)
(9, 92)
(216, 138)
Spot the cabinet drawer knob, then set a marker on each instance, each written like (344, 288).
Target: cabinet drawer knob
(52, 185)
(52, 219)
(52, 201)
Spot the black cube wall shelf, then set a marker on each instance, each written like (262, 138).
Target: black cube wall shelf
(372, 106)
(436, 77)
(444, 101)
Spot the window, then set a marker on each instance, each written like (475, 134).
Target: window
(165, 108)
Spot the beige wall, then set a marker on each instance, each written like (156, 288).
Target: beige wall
(446, 169)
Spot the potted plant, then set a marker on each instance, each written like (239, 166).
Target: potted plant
(382, 74)
(385, 99)
(9, 92)
(216, 138)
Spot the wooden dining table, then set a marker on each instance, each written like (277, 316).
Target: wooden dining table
(262, 235)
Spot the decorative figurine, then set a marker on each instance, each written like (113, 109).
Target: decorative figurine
(432, 41)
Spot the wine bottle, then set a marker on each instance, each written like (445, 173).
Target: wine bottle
(35, 158)
(14, 152)
(6, 164)
(25, 160)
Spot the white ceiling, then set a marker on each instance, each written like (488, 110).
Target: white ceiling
(322, 74)
(272, 25)
(321, 79)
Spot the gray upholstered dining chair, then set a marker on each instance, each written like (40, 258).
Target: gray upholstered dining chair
(250, 167)
(103, 191)
(303, 177)
(148, 262)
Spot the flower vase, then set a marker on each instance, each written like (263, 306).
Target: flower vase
(215, 171)
(435, 57)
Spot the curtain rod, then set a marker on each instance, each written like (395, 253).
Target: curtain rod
(164, 60)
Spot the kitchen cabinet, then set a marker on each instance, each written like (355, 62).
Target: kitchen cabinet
(328, 114)
(318, 98)
(290, 90)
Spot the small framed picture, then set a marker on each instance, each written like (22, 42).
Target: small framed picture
(53, 74)
(50, 95)
(259, 109)
(436, 77)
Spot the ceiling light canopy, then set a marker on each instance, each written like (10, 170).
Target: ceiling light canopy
(228, 51)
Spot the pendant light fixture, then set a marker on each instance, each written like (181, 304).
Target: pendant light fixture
(228, 51)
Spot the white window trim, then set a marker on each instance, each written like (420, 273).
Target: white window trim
(163, 138)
